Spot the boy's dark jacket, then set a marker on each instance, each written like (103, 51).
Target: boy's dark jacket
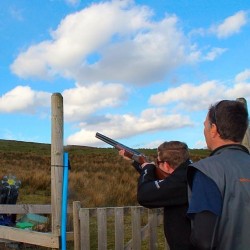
(171, 194)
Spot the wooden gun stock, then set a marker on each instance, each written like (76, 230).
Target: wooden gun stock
(160, 174)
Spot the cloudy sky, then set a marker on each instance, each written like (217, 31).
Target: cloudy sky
(141, 72)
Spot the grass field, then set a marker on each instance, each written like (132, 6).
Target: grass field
(93, 175)
(98, 177)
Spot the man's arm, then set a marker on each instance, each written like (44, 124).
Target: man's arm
(137, 166)
(204, 210)
(203, 228)
(152, 192)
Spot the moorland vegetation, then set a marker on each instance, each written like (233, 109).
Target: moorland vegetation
(98, 177)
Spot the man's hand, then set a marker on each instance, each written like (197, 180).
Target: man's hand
(141, 159)
(122, 153)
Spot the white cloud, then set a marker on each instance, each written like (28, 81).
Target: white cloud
(192, 97)
(200, 144)
(127, 125)
(243, 76)
(79, 102)
(83, 101)
(88, 47)
(230, 25)
(238, 90)
(73, 2)
(34, 62)
(24, 100)
(214, 53)
(153, 144)
(146, 58)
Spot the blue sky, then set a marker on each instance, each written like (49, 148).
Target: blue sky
(141, 72)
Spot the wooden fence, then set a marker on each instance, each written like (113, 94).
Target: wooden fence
(45, 239)
(119, 228)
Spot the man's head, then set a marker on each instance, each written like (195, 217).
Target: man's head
(172, 154)
(226, 122)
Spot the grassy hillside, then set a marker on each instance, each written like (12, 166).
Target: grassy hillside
(98, 176)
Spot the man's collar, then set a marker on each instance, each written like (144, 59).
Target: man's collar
(232, 146)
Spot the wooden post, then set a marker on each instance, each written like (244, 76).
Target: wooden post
(246, 139)
(136, 227)
(84, 228)
(56, 161)
(119, 228)
(102, 228)
(152, 220)
(76, 224)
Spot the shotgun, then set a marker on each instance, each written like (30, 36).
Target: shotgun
(131, 153)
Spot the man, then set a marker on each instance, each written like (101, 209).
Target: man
(170, 193)
(219, 186)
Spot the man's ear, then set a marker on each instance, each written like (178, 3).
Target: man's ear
(167, 168)
(214, 131)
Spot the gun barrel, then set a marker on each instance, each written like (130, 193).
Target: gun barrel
(115, 143)
(106, 139)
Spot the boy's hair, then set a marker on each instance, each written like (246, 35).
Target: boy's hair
(173, 152)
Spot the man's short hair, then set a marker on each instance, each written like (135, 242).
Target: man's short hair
(173, 152)
(230, 118)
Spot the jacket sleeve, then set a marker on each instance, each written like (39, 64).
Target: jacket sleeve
(203, 227)
(137, 166)
(153, 193)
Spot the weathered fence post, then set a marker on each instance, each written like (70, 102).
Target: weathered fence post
(102, 228)
(246, 139)
(76, 224)
(119, 228)
(152, 217)
(136, 227)
(56, 161)
(85, 229)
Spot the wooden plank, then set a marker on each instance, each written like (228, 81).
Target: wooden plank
(145, 232)
(76, 224)
(25, 209)
(102, 228)
(160, 218)
(70, 236)
(119, 228)
(30, 237)
(152, 220)
(84, 229)
(136, 227)
(28, 208)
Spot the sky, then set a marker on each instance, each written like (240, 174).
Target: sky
(141, 72)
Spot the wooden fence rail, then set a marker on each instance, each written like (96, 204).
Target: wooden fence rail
(132, 227)
(118, 228)
(26, 236)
